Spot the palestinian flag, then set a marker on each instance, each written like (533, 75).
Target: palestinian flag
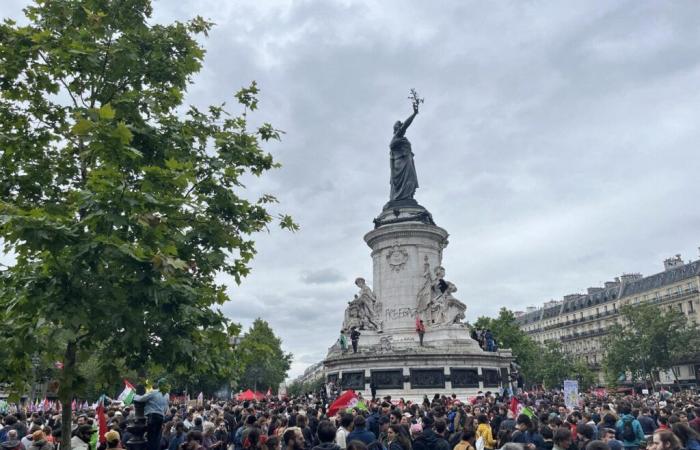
(518, 408)
(127, 395)
(348, 400)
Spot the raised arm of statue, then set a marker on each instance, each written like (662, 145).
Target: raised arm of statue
(401, 130)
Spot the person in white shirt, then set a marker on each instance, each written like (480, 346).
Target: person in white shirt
(344, 429)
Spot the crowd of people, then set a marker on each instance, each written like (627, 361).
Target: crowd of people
(485, 338)
(484, 422)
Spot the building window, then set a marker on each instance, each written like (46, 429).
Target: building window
(680, 307)
(669, 292)
(690, 307)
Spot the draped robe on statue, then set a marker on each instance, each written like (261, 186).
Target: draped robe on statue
(404, 180)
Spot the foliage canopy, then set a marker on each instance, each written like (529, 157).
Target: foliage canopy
(650, 339)
(120, 205)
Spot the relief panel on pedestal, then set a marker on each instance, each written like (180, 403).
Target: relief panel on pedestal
(388, 379)
(428, 378)
(492, 377)
(464, 378)
(353, 380)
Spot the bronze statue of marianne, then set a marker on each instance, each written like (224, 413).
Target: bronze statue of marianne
(404, 180)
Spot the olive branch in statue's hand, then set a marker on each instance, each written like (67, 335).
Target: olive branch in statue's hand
(415, 100)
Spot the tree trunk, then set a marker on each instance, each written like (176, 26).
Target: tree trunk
(66, 423)
(66, 395)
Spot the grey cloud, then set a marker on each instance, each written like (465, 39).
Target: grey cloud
(557, 144)
(321, 276)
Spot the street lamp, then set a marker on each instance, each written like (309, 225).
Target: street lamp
(137, 425)
(35, 365)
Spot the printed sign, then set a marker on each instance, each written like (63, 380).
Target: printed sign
(571, 393)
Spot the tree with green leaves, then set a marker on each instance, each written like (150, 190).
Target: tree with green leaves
(648, 340)
(508, 334)
(119, 204)
(260, 353)
(540, 364)
(553, 366)
(298, 388)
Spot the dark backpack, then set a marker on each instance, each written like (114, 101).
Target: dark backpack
(628, 434)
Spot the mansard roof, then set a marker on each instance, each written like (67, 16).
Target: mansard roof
(585, 300)
(575, 302)
(665, 278)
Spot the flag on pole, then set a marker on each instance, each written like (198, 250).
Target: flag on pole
(269, 392)
(200, 399)
(347, 399)
(518, 408)
(73, 405)
(101, 420)
(127, 395)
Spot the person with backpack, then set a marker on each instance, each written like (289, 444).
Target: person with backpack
(629, 430)
(483, 431)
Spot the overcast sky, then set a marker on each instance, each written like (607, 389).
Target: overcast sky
(558, 142)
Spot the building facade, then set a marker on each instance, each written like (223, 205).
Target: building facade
(580, 322)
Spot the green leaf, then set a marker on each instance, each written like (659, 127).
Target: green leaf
(106, 112)
(123, 133)
(82, 127)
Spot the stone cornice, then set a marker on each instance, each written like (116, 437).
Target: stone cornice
(360, 360)
(403, 231)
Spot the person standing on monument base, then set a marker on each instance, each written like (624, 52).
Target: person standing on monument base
(155, 409)
(354, 338)
(343, 341)
(420, 329)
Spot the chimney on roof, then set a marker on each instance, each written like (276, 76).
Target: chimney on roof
(612, 284)
(551, 304)
(630, 277)
(672, 263)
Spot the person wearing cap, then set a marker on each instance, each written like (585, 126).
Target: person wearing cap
(112, 437)
(415, 430)
(155, 409)
(39, 442)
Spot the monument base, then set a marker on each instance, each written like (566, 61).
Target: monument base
(408, 286)
(449, 362)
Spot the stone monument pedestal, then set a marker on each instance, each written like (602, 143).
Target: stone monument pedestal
(409, 285)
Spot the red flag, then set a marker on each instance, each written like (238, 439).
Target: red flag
(101, 421)
(514, 403)
(347, 400)
(73, 405)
